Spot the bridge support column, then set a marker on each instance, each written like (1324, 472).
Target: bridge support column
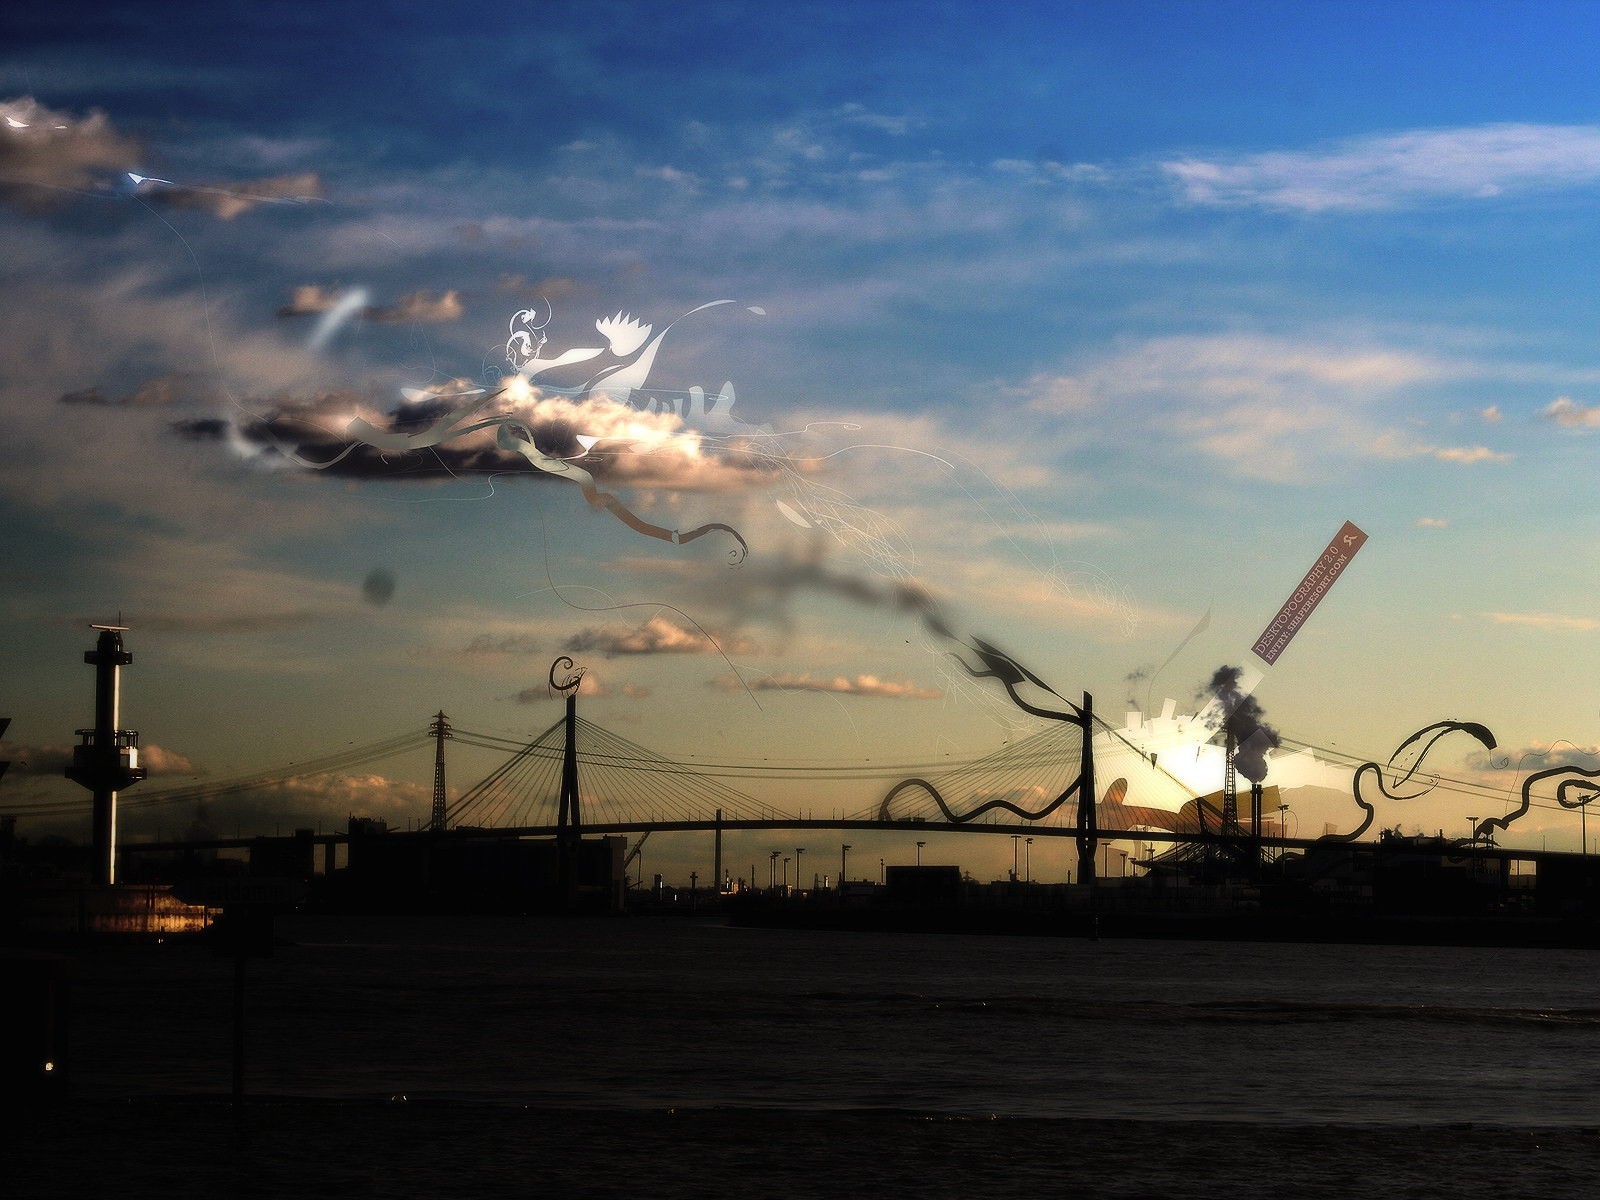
(1088, 839)
(716, 875)
(569, 821)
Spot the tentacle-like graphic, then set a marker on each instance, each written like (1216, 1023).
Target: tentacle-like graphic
(1010, 672)
(962, 818)
(1437, 730)
(574, 675)
(1485, 827)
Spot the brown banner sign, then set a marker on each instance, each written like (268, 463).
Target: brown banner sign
(1305, 598)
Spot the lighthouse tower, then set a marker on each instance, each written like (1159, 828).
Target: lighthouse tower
(106, 759)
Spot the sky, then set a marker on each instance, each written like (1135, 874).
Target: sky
(1070, 324)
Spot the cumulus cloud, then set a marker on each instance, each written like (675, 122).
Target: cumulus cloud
(1402, 170)
(46, 155)
(658, 635)
(858, 685)
(1567, 413)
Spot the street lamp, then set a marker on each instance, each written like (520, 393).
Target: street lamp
(798, 852)
(1283, 828)
(1027, 859)
(880, 870)
(1016, 840)
(844, 851)
(786, 874)
(1124, 872)
(772, 869)
(1583, 824)
(920, 845)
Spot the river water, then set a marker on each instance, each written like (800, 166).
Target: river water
(664, 1057)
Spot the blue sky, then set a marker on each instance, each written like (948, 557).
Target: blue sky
(1084, 318)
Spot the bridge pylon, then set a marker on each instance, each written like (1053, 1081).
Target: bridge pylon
(1088, 829)
(569, 818)
(439, 731)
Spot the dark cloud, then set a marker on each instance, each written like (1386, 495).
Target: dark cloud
(202, 429)
(378, 587)
(635, 448)
(91, 396)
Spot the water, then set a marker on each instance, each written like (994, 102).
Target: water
(663, 1058)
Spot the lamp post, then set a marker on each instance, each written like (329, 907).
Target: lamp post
(1016, 840)
(798, 852)
(786, 874)
(844, 852)
(772, 869)
(1583, 824)
(1124, 872)
(1027, 860)
(880, 871)
(920, 845)
(1283, 828)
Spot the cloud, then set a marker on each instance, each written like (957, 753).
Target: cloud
(1570, 415)
(176, 389)
(1432, 523)
(307, 799)
(1394, 445)
(515, 643)
(51, 761)
(1403, 170)
(1468, 455)
(1491, 415)
(46, 155)
(592, 689)
(658, 635)
(628, 445)
(859, 685)
(308, 299)
(1555, 621)
(1268, 406)
(857, 114)
(1535, 758)
(228, 199)
(420, 307)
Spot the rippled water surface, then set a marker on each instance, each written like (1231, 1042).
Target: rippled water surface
(662, 1057)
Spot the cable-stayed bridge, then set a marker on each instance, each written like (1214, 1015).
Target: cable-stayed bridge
(607, 783)
(577, 777)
